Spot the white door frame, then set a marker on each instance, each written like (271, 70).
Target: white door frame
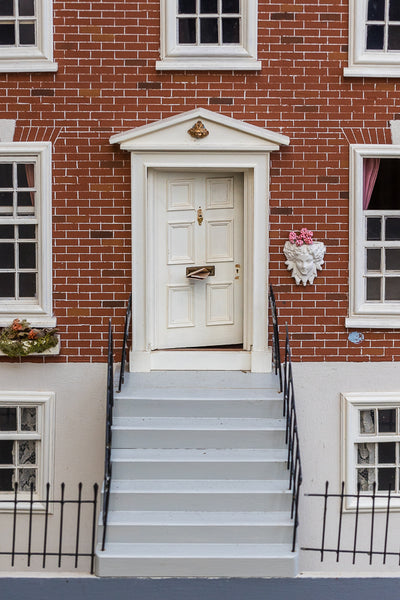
(236, 147)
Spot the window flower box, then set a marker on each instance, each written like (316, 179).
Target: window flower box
(21, 340)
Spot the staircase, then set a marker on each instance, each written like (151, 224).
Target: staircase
(199, 479)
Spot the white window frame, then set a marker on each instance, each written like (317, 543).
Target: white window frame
(362, 313)
(351, 404)
(45, 401)
(206, 58)
(33, 59)
(40, 313)
(362, 62)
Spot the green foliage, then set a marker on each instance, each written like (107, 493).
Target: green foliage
(20, 339)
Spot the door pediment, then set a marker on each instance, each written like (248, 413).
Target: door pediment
(224, 133)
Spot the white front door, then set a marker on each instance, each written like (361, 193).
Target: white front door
(198, 223)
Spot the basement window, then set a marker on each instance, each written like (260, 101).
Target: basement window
(375, 232)
(208, 35)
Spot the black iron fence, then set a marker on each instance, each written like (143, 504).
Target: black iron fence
(108, 444)
(364, 530)
(289, 412)
(124, 350)
(52, 527)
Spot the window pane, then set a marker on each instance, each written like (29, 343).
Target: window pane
(386, 452)
(209, 31)
(187, 31)
(6, 232)
(392, 289)
(376, 10)
(373, 228)
(386, 479)
(394, 37)
(27, 256)
(8, 418)
(375, 37)
(27, 34)
(28, 418)
(392, 259)
(366, 454)
(392, 229)
(387, 420)
(6, 180)
(27, 285)
(26, 175)
(6, 480)
(7, 34)
(187, 7)
(24, 199)
(6, 8)
(209, 6)
(27, 479)
(27, 232)
(7, 285)
(6, 199)
(373, 289)
(367, 421)
(394, 10)
(26, 8)
(373, 259)
(230, 6)
(366, 479)
(7, 258)
(230, 31)
(27, 452)
(6, 452)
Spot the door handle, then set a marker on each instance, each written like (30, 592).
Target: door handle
(200, 272)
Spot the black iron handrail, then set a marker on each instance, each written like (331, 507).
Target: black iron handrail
(128, 316)
(54, 528)
(289, 412)
(109, 418)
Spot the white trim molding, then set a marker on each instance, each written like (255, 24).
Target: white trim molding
(364, 313)
(363, 62)
(40, 312)
(351, 405)
(35, 58)
(228, 57)
(44, 434)
(230, 145)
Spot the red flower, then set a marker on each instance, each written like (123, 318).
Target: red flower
(33, 334)
(16, 325)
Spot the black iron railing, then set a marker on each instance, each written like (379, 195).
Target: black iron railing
(128, 316)
(289, 412)
(109, 419)
(51, 527)
(340, 534)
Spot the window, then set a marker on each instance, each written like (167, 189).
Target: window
(25, 233)
(26, 442)
(208, 35)
(374, 237)
(371, 435)
(374, 38)
(26, 39)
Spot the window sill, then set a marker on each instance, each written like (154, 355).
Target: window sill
(27, 66)
(372, 71)
(373, 321)
(208, 64)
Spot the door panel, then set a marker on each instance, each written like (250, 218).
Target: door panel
(199, 222)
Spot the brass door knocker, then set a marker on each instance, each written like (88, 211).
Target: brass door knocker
(200, 216)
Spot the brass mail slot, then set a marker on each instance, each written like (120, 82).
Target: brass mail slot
(200, 272)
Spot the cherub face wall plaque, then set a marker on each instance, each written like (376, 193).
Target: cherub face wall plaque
(304, 256)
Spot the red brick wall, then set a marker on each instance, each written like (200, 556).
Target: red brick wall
(107, 83)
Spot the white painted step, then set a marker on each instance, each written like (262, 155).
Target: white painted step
(189, 432)
(199, 463)
(198, 494)
(196, 560)
(192, 526)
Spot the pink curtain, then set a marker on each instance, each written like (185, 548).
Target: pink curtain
(371, 168)
(30, 177)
